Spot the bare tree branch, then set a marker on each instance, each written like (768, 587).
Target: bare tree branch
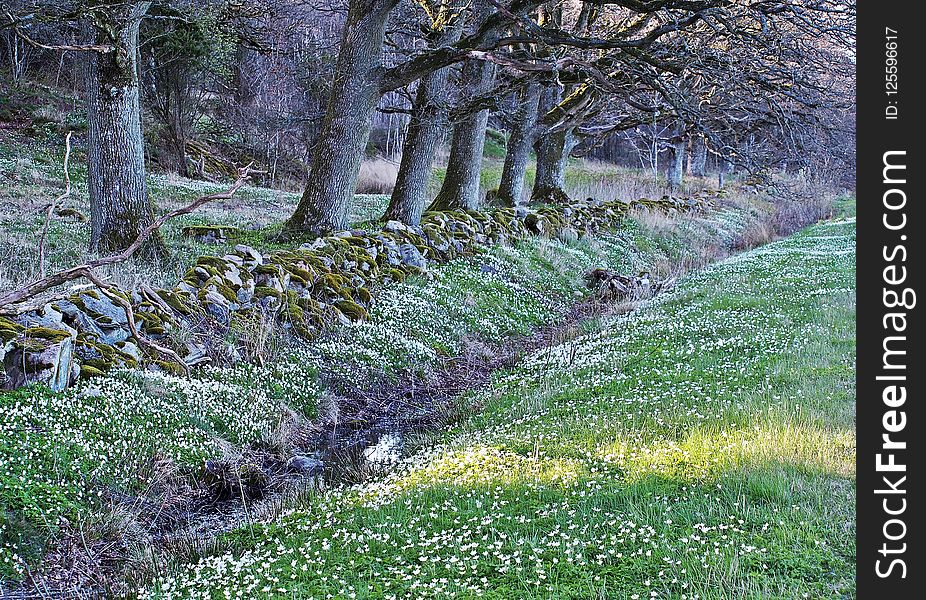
(51, 281)
(54, 204)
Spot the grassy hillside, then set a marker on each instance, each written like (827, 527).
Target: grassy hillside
(66, 459)
(700, 447)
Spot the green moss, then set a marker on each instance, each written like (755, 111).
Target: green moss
(9, 329)
(45, 333)
(169, 367)
(218, 231)
(351, 310)
(362, 295)
(268, 269)
(263, 291)
(218, 284)
(173, 300)
(87, 371)
(150, 323)
(214, 264)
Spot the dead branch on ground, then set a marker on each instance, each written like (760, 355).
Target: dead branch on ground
(87, 270)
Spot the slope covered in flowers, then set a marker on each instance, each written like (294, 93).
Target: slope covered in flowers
(62, 455)
(700, 447)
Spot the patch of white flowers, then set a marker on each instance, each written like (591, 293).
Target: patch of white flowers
(529, 498)
(57, 450)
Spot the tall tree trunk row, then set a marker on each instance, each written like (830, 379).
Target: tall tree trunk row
(348, 119)
(425, 133)
(460, 188)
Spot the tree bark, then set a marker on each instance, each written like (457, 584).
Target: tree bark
(348, 119)
(553, 147)
(511, 187)
(460, 189)
(724, 169)
(553, 151)
(119, 205)
(425, 132)
(677, 166)
(698, 156)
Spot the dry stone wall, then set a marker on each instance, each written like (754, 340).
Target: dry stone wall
(306, 290)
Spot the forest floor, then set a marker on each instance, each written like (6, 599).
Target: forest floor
(701, 446)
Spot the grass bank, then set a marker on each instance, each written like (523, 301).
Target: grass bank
(699, 447)
(78, 465)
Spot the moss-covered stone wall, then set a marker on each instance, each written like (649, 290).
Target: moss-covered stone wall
(306, 290)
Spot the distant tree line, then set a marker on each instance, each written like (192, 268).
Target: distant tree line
(751, 85)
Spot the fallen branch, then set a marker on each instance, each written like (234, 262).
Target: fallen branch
(113, 295)
(54, 204)
(51, 281)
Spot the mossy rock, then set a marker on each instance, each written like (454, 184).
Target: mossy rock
(150, 323)
(87, 371)
(45, 333)
(175, 301)
(352, 310)
(396, 275)
(362, 296)
(9, 329)
(207, 233)
(169, 367)
(263, 291)
(220, 285)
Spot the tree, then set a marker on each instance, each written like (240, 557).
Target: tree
(460, 188)
(119, 205)
(355, 91)
(678, 144)
(698, 163)
(427, 125)
(520, 141)
(360, 81)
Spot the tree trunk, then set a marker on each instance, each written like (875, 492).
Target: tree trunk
(677, 166)
(520, 141)
(698, 156)
(348, 119)
(425, 132)
(460, 189)
(723, 170)
(553, 149)
(119, 203)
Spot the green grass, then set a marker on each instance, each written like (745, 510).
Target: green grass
(700, 447)
(58, 449)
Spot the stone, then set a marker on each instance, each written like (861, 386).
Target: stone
(131, 349)
(394, 226)
(46, 360)
(250, 255)
(217, 306)
(100, 304)
(48, 317)
(412, 257)
(567, 234)
(305, 465)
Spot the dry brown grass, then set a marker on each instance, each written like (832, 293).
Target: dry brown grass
(377, 176)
